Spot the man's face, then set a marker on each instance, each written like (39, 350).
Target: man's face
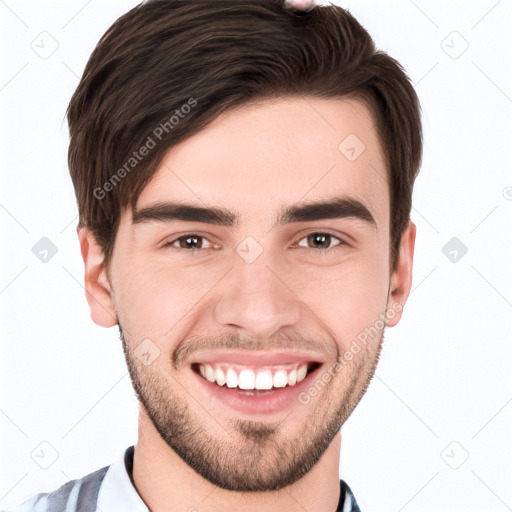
(257, 292)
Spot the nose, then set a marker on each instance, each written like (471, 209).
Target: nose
(257, 298)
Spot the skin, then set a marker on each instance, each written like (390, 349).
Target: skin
(252, 160)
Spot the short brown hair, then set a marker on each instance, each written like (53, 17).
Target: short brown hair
(212, 56)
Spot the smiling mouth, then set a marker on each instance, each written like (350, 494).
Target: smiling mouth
(254, 380)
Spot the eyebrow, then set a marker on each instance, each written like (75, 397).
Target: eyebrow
(335, 208)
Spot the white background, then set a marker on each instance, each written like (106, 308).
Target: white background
(443, 389)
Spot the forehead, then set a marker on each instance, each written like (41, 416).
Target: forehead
(266, 155)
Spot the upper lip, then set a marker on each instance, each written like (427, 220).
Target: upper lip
(253, 358)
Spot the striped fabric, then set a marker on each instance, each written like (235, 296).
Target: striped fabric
(111, 489)
(74, 496)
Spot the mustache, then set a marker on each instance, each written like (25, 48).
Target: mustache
(234, 341)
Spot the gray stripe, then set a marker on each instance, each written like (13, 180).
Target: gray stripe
(73, 496)
(57, 499)
(88, 495)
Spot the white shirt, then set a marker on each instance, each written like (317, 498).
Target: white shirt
(110, 489)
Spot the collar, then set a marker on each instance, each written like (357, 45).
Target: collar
(118, 492)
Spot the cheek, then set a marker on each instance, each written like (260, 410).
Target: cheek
(350, 297)
(153, 299)
(156, 300)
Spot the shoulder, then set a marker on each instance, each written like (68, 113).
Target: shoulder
(76, 495)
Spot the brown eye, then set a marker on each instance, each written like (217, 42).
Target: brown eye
(321, 241)
(190, 243)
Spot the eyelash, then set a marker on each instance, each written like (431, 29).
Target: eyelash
(320, 251)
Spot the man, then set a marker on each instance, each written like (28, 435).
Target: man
(244, 174)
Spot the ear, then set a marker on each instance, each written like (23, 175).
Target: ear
(97, 285)
(401, 278)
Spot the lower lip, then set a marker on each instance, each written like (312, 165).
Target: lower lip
(268, 403)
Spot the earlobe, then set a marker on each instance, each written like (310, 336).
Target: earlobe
(401, 278)
(97, 286)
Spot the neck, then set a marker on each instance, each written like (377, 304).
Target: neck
(162, 478)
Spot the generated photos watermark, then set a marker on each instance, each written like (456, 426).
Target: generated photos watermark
(150, 143)
(343, 360)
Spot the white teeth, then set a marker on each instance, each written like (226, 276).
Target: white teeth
(280, 379)
(264, 379)
(292, 378)
(231, 378)
(301, 372)
(209, 373)
(220, 378)
(248, 379)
